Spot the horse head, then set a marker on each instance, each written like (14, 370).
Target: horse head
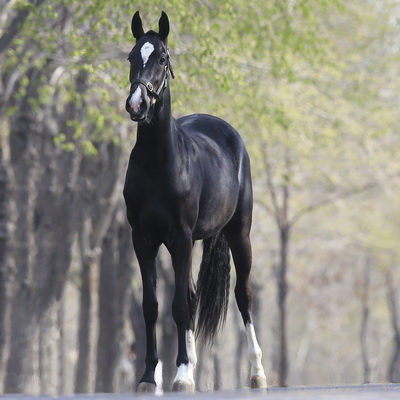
(149, 68)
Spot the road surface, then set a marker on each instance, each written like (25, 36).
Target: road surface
(350, 392)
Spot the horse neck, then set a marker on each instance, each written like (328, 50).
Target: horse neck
(159, 135)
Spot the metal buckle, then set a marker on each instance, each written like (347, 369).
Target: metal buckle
(149, 87)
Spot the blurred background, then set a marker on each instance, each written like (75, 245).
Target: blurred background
(313, 86)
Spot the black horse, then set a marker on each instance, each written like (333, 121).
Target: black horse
(187, 179)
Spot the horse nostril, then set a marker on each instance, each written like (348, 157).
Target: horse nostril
(143, 107)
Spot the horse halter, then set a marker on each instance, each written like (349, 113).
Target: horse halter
(155, 95)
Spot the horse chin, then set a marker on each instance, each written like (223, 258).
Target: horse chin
(138, 117)
(143, 118)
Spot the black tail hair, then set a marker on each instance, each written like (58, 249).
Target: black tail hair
(213, 287)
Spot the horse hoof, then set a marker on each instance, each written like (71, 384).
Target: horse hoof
(146, 387)
(258, 382)
(180, 386)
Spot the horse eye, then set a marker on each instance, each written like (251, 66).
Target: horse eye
(162, 60)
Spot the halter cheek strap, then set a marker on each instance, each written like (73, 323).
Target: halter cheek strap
(155, 94)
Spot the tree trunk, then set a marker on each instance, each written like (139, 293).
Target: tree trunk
(23, 139)
(49, 337)
(62, 358)
(43, 199)
(365, 319)
(108, 351)
(22, 371)
(394, 367)
(283, 366)
(125, 278)
(87, 300)
(4, 246)
(114, 288)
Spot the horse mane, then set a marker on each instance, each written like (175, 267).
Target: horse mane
(151, 33)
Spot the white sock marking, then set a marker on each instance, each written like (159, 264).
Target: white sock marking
(185, 371)
(136, 100)
(184, 374)
(254, 352)
(191, 348)
(146, 51)
(158, 378)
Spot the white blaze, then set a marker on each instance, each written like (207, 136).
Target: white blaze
(146, 51)
(136, 100)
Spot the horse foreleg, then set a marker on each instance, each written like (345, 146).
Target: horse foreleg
(147, 265)
(181, 253)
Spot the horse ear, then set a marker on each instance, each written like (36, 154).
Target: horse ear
(163, 26)
(137, 27)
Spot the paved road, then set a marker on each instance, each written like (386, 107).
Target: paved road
(364, 392)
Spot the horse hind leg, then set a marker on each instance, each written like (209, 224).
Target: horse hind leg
(258, 379)
(241, 251)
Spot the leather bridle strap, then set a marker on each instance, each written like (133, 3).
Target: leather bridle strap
(155, 94)
(150, 88)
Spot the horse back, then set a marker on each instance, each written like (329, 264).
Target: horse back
(222, 169)
(216, 138)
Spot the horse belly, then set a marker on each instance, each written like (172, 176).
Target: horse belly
(214, 213)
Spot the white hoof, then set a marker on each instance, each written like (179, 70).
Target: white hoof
(258, 382)
(181, 386)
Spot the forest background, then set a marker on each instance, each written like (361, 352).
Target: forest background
(314, 88)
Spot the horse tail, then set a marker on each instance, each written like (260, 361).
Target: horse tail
(213, 286)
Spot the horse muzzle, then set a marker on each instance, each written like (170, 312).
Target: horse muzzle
(138, 104)
(137, 117)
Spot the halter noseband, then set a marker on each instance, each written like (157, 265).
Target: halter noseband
(155, 94)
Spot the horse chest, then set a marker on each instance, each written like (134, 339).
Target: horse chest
(154, 199)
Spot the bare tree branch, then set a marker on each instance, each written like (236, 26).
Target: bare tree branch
(331, 199)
